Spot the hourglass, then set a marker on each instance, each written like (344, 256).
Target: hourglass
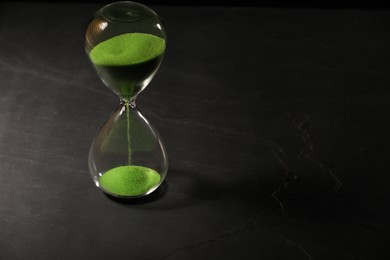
(125, 42)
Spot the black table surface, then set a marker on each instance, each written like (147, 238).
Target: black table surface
(276, 122)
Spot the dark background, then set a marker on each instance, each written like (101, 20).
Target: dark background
(275, 118)
(249, 3)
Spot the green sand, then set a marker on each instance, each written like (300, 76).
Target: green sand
(129, 180)
(127, 49)
(125, 61)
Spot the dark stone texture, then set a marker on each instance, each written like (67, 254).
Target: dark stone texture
(276, 122)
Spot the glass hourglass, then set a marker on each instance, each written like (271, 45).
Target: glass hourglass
(125, 42)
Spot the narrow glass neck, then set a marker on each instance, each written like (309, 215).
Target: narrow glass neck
(128, 102)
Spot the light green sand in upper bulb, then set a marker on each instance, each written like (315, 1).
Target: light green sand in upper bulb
(129, 180)
(127, 49)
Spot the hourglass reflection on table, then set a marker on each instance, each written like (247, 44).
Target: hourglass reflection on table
(125, 42)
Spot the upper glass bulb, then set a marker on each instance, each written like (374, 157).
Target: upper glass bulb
(125, 42)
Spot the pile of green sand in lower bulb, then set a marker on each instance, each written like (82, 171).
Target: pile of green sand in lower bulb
(129, 180)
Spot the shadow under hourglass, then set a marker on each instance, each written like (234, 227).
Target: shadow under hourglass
(183, 189)
(152, 197)
(175, 192)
